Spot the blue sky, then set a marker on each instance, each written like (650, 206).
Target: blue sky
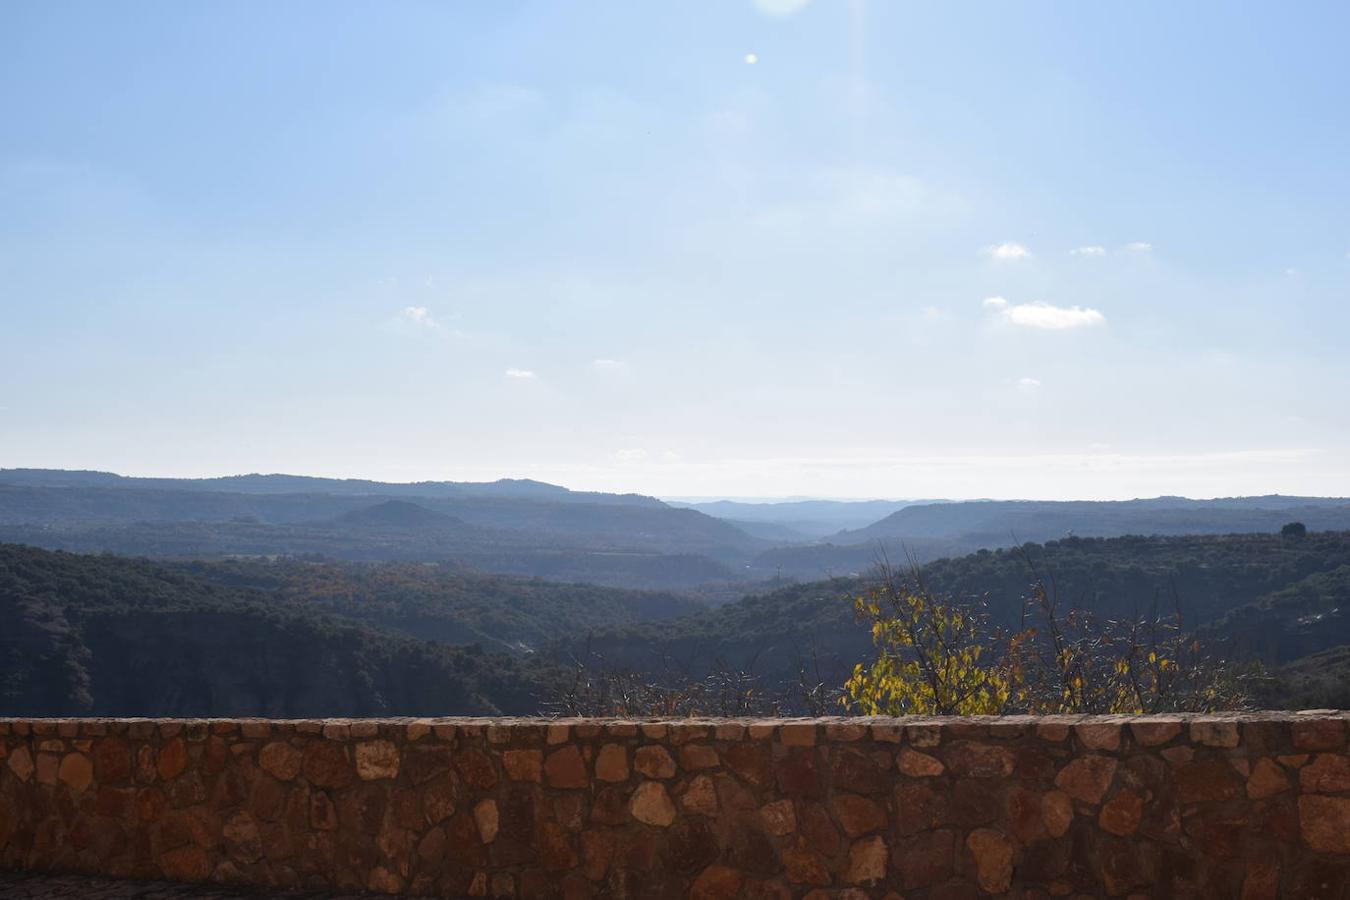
(695, 248)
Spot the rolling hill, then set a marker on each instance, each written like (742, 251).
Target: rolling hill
(927, 532)
(1262, 596)
(518, 528)
(108, 635)
(100, 635)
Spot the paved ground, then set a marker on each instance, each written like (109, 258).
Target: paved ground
(75, 887)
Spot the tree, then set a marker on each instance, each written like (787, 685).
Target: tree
(939, 656)
(934, 657)
(1294, 530)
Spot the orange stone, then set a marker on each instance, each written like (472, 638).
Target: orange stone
(699, 797)
(524, 765)
(1215, 734)
(1024, 814)
(21, 763)
(918, 765)
(476, 768)
(857, 815)
(1152, 733)
(867, 861)
(993, 854)
(698, 756)
(1178, 756)
(1054, 732)
(845, 731)
(778, 817)
(1121, 814)
(486, 818)
(803, 864)
(565, 768)
(280, 760)
(438, 802)
(1267, 780)
(1319, 734)
(717, 883)
(612, 763)
(1205, 781)
(979, 760)
(797, 734)
(1087, 778)
(1098, 735)
(173, 759)
(242, 839)
(1325, 822)
(651, 804)
(654, 761)
(112, 760)
(1057, 813)
(325, 765)
(76, 771)
(377, 760)
(1326, 774)
(384, 881)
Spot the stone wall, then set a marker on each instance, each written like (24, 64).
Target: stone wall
(1255, 805)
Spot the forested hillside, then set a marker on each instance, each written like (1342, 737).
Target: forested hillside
(931, 531)
(108, 635)
(104, 634)
(631, 544)
(1260, 596)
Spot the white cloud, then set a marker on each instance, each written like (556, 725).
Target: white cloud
(780, 7)
(931, 313)
(1090, 250)
(520, 374)
(1008, 250)
(419, 316)
(1139, 247)
(1028, 384)
(609, 365)
(1044, 315)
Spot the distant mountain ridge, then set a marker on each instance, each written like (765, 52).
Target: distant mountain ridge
(516, 528)
(254, 483)
(523, 527)
(1048, 519)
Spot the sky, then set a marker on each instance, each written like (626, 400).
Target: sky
(718, 248)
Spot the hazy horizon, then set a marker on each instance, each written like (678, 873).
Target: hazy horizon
(758, 248)
(680, 498)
